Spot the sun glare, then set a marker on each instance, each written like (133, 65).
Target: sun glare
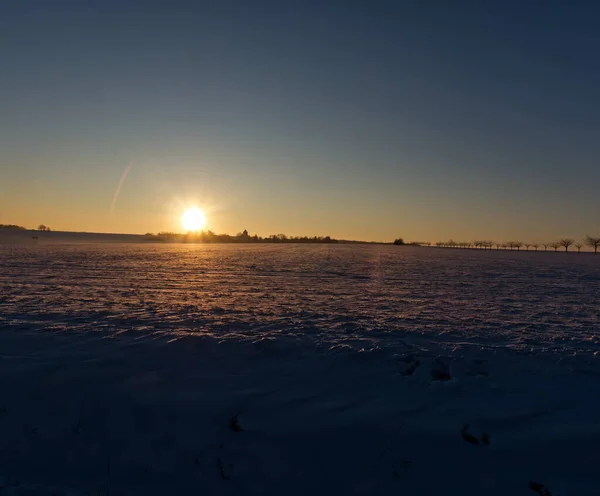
(193, 219)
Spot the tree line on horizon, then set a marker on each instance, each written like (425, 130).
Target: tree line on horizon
(566, 243)
(41, 227)
(208, 236)
(12, 226)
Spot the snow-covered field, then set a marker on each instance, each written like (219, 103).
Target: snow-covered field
(259, 369)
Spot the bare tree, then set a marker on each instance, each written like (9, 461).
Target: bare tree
(527, 245)
(566, 242)
(43, 227)
(498, 245)
(546, 245)
(578, 246)
(536, 246)
(555, 245)
(517, 245)
(592, 242)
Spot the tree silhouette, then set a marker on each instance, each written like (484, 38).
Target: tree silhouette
(566, 242)
(536, 246)
(527, 245)
(399, 242)
(592, 242)
(578, 246)
(485, 244)
(546, 245)
(555, 245)
(42, 227)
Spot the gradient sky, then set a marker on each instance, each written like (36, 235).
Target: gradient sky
(358, 119)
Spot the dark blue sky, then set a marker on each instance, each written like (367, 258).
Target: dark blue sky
(358, 119)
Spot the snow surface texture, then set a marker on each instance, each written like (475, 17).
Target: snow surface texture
(203, 369)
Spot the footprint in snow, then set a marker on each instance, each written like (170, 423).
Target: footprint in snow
(440, 369)
(408, 365)
(483, 439)
(539, 489)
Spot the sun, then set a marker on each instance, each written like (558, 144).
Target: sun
(193, 219)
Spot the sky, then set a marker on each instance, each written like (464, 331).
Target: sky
(356, 119)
